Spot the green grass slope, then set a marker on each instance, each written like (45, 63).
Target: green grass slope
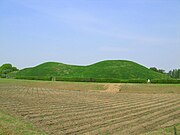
(110, 69)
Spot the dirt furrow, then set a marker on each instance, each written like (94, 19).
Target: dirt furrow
(91, 125)
(79, 110)
(98, 114)
(136, 119)
(152, 123)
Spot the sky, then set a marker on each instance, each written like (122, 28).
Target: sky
(82, 32)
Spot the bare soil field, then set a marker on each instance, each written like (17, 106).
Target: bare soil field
(121, 111)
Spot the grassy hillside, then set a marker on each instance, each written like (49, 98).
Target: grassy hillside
(110, 69)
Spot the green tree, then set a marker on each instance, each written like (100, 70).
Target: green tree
(175, 73)
(5, 69)
(158, 70)
(154, 69)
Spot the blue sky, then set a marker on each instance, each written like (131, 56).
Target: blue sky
(83, 32)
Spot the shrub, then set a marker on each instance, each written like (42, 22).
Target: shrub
(45, 78)
(168, 81)
(103, 80)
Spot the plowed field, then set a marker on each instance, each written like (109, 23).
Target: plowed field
(72, 112)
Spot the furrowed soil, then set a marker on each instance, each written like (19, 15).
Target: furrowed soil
(116, 110)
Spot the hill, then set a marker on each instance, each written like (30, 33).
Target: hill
(109, 69)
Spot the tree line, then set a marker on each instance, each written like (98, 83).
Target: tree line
(175, 73)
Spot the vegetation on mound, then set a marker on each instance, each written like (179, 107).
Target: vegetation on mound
(105, 71)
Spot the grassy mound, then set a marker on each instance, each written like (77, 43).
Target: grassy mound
(110, 69)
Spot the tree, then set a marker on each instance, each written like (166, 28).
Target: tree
(161, 71)
(5, 69)
(175, 73)
(154, 69)
(158, 70)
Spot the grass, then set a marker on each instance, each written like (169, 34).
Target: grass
(166, 131)
(110, 69)
(10, 125)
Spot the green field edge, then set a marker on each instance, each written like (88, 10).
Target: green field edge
(169, 130)
(12, 125)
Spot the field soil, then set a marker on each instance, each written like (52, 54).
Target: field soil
(114, 110)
